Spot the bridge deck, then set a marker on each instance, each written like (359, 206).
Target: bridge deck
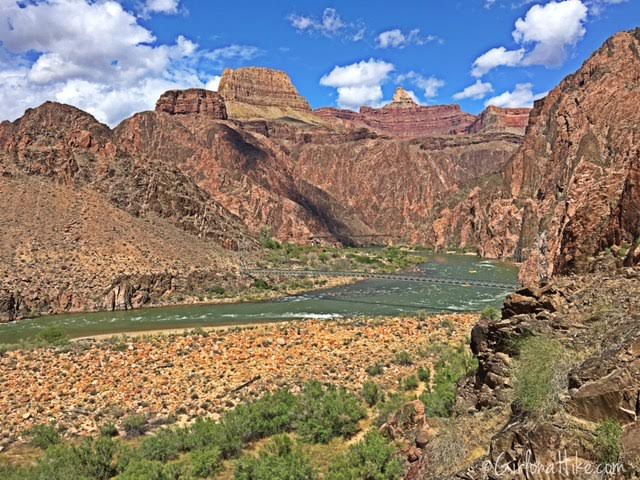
(387, 276)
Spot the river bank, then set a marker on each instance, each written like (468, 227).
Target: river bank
(181, 377)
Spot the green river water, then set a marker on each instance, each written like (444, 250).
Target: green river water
(367, 298)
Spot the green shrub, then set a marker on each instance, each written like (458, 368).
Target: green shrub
(410, 383)
(166, 445)
(135, 425)
(388, 407)
(267, 240)
(607, 442)
(539, 374)
(109, 430)
(372, 458)
(453, 365)
(403, 358)
(490, 313)
(261, 284)
(44, 436)
(424, 375)
(206, 463)
(217, 290)
(375, 370)
(97, 458)
(144, 470)
(325, 412)
(372, 393)
(280, 460)
(206, 433)
(53, 336)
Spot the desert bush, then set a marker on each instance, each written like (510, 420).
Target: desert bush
(372, 393)
(44, 436)
(164, 446)
(607, 444)
(424, 375)
(109, 430)
(280, 460)
(135, 425)
(410, 383)
(454, 364)
(145, 470)
(372, 458)
(206, 463)
(326, 412)
(375, 369)
(539, 375)
(490, 313)
(389, 406)
(53, 336)
(403, 358)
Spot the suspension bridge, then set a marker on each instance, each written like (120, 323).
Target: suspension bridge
(404, 277)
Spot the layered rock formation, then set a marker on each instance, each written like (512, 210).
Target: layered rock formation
(577, 175)
(261, 93)
(404, 118)
(496, 119)
(192, 101)
(82, 216)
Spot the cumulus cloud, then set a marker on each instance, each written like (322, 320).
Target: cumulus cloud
(213, 83)
(94, 55)
(330, 24)
(522, 96)
(168, 7)
(545, 34)
(476, 91)
(396, 38)
(551, 28)
(429, 85)
(496, 57)
(360, 83)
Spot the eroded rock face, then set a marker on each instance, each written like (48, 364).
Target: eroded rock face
(578, 171)
(251, 92)
(495, 119)
(192, 101)
(404, 118)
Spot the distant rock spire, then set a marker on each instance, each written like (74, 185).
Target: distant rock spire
(402, 99)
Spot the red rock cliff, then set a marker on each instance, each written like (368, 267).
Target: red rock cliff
(577, 175)
(192, 101)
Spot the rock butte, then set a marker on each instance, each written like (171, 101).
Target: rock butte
(185, 175)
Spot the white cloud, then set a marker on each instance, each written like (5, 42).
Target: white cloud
(242, 52)
(94, 55)
(596, 7)
(397, 39)
(429, 85)
(551, 28)
(359, 83)
(522, 96)
(213, 83)
(545, 34)
(496, 57)
(329, 24)
(476, 91)
(167, 7)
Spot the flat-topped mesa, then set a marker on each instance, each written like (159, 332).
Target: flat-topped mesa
(192, 101)
(417, 121)
(496, 119)
(260, 92)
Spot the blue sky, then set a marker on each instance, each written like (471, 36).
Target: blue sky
(115, 58)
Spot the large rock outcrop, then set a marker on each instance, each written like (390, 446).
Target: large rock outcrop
(192, 101)
(577, 175)
(261, 93)
(496, 119)
(405, 118)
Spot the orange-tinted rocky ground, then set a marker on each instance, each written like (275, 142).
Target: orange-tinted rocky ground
(91, 383)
